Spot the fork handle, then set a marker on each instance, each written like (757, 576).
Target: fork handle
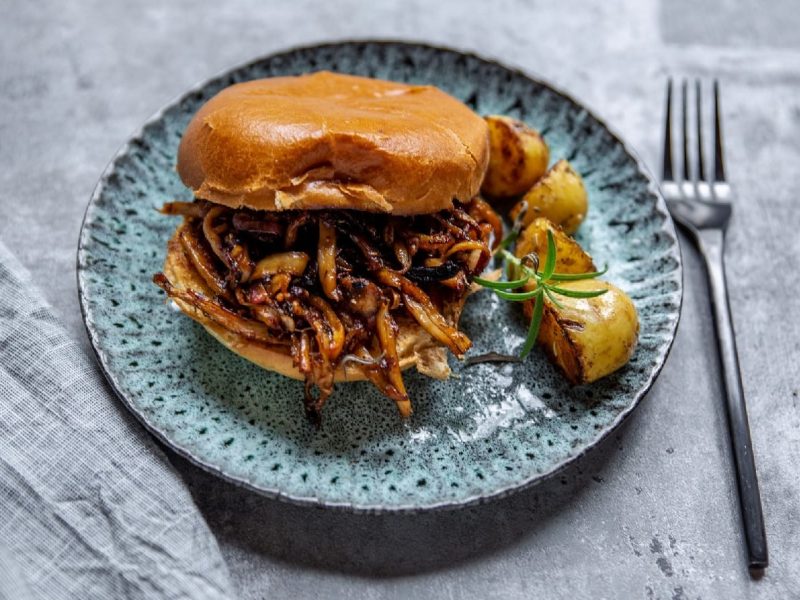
(711, 244)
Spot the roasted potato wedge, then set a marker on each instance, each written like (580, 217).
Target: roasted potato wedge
(559, 196)
(518, 157)
(570, 257)
(589, 338)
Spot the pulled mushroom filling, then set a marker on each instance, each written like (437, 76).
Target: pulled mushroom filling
(332, 285)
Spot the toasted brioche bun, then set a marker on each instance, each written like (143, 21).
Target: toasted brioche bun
(415, 347)
(332, 141)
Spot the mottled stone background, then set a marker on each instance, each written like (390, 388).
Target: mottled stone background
(652, 514)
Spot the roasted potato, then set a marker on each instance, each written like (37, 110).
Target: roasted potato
(588, 338)
(570, 257)
(559, 196)
(518, 157)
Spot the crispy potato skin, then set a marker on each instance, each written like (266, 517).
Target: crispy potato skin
(518, 157)
(590, 338)
(559, 196)
(570, 256)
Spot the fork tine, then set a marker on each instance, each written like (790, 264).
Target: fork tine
(701, 171)
(666, 173)
(687, 174)
(719, 166)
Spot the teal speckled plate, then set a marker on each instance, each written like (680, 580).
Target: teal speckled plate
(489, 430)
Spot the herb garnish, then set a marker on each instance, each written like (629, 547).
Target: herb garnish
(525, 271)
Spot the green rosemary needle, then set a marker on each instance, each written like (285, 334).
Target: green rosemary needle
(544, 284)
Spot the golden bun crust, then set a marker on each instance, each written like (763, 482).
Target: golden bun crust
(415, 347)
(333, 141)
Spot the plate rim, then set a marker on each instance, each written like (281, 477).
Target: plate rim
(313, 501)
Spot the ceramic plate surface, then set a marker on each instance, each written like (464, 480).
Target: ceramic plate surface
(489, 430)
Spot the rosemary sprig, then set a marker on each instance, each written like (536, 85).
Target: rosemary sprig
(527, 271)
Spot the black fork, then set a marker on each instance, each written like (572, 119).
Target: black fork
(701, 203)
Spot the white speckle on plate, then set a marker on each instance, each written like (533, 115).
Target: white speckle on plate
(494, 302)
(420, 436)
(502, 380)
(497, 378)
(512, 339)
(492, 417)
(532, 402)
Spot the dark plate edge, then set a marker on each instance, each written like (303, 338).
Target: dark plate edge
(667, 226)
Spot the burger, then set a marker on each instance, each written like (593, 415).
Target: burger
(335, 229)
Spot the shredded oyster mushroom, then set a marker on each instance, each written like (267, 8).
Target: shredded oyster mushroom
(332, 285)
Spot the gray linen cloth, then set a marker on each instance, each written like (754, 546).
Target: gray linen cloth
(89, 506)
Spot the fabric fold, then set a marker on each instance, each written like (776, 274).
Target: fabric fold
(90, 507)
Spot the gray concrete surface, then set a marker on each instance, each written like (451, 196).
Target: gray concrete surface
(653, 514)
